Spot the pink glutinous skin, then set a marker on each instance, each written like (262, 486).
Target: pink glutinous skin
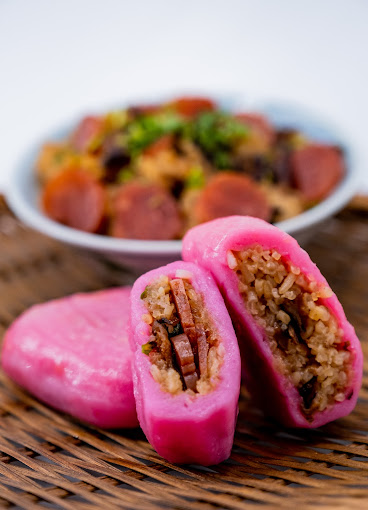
(184, 428)
(73, 353)
(208, 245)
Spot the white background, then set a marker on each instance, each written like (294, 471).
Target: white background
(60, 58)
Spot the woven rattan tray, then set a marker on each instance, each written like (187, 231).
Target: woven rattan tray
(49, 460)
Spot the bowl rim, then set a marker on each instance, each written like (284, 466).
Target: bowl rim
(32, 215)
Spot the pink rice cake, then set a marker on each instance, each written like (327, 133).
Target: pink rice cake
(302, 360)
(186, 368)
(73, 354)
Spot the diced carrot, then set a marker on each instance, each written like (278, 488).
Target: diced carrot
(165, 142)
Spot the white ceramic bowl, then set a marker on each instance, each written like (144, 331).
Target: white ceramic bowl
(143, 255)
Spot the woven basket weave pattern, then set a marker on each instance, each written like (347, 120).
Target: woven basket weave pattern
(50, 460)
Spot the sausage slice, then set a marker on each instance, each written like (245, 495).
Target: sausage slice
(86, 132)
(185, 359)
(192, 106)
(229, 194)
(258, 123)
(183, 308)
(75, 198)
(316, 169)
(202, 351)
(145, 211)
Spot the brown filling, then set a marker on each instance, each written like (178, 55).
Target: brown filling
(303, 335)
(184, 348)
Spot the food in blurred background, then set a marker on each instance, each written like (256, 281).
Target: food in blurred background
(153, 171)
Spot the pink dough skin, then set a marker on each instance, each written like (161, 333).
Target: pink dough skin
(187, 429)
(73, 353)
(208, 245)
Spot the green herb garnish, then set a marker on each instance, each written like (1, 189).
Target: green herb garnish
(147, 348)
(60, 155)
(116, 120)
(195, 178)
(96, 143)
(146, 129)
(125, 175)
(144, 293)
(216, 133)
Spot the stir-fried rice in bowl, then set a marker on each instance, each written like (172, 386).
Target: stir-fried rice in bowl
(142, 254)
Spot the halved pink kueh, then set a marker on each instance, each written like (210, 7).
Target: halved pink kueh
(186, 368)
(73, 353)
(302, 360)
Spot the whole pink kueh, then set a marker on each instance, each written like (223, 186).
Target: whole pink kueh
(182, 428)
(208, 245)
(73, 353)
